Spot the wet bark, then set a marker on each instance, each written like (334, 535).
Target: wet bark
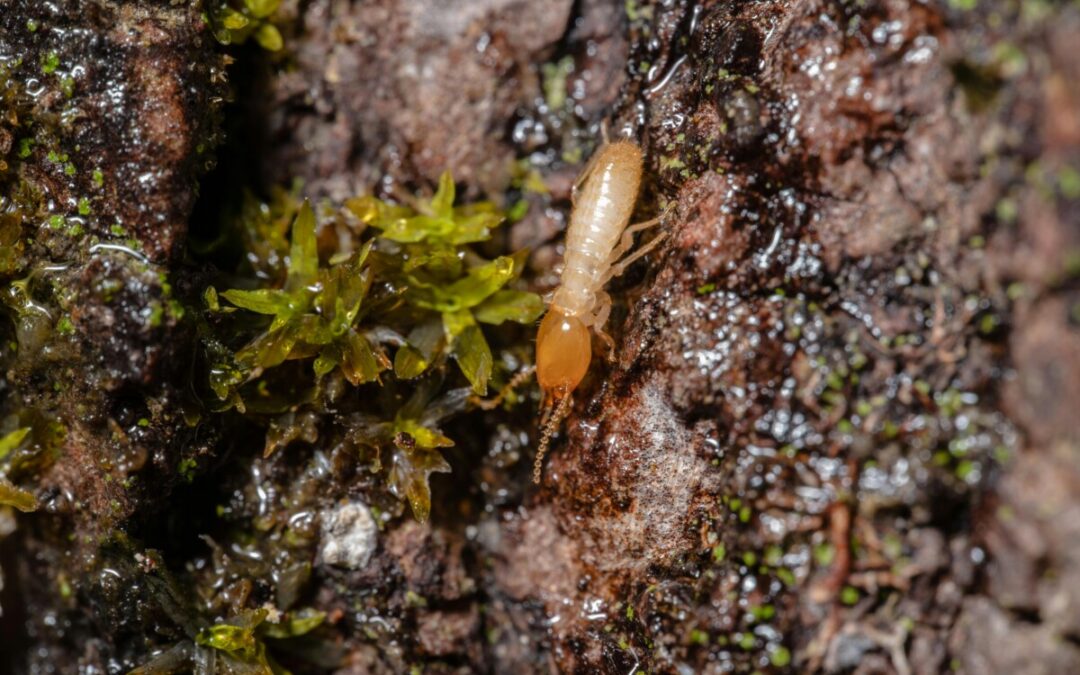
(838, 432)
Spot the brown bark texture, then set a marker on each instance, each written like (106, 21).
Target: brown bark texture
(839, 431)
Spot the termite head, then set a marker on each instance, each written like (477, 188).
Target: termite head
(563, 352)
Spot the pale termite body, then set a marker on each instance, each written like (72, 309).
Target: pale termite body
(597, 241)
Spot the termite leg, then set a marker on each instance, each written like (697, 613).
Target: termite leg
(550, 426)
(620, 267)
(603, 310)
(627, 240)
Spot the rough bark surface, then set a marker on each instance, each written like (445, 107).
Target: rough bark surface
(114, 110)
(838, 433)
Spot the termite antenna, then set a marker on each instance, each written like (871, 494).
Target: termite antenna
(516, 381)
(550, 426)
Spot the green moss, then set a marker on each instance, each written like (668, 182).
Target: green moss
(849, 595)
(824, 554)
(555, 76)
(50, 62)
(186, 469)
(1069, 182)
(780, 656)
(411, 298)
(18, 498)
(747, 641)
(236, 21)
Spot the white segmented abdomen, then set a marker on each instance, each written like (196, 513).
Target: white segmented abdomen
(602, 210)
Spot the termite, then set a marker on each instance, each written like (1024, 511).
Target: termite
(597, 240)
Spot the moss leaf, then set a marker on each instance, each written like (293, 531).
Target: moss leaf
(304, 252)
(11, 441)
(290, 427)
(300, 622)
(418, 228)
(269, 37)
(415, 357)
(474, 228)
(232, 19)
(470, 349)
(409, 362)
(236, 636)
(261, 9)
(269, 349)
(174, 660)
(424, 437)
(409, 476)
(262, 301)
(480, 283)
(359, 364)
(518, 306)
(442, 204)
(373, 211)
(16, 497)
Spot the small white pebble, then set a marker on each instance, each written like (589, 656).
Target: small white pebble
(348, 536)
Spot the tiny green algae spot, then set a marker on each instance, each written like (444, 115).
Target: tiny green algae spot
(780, 656)
(50, 62)
(186, 469)
(555, 76)
(157, 313)
(1069, 182)
(849, 595)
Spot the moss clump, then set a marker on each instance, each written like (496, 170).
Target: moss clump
(235, 21)
(28, 444)
(241, 645)
(399, 293)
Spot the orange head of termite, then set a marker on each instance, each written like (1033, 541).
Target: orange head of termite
(563, 352)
